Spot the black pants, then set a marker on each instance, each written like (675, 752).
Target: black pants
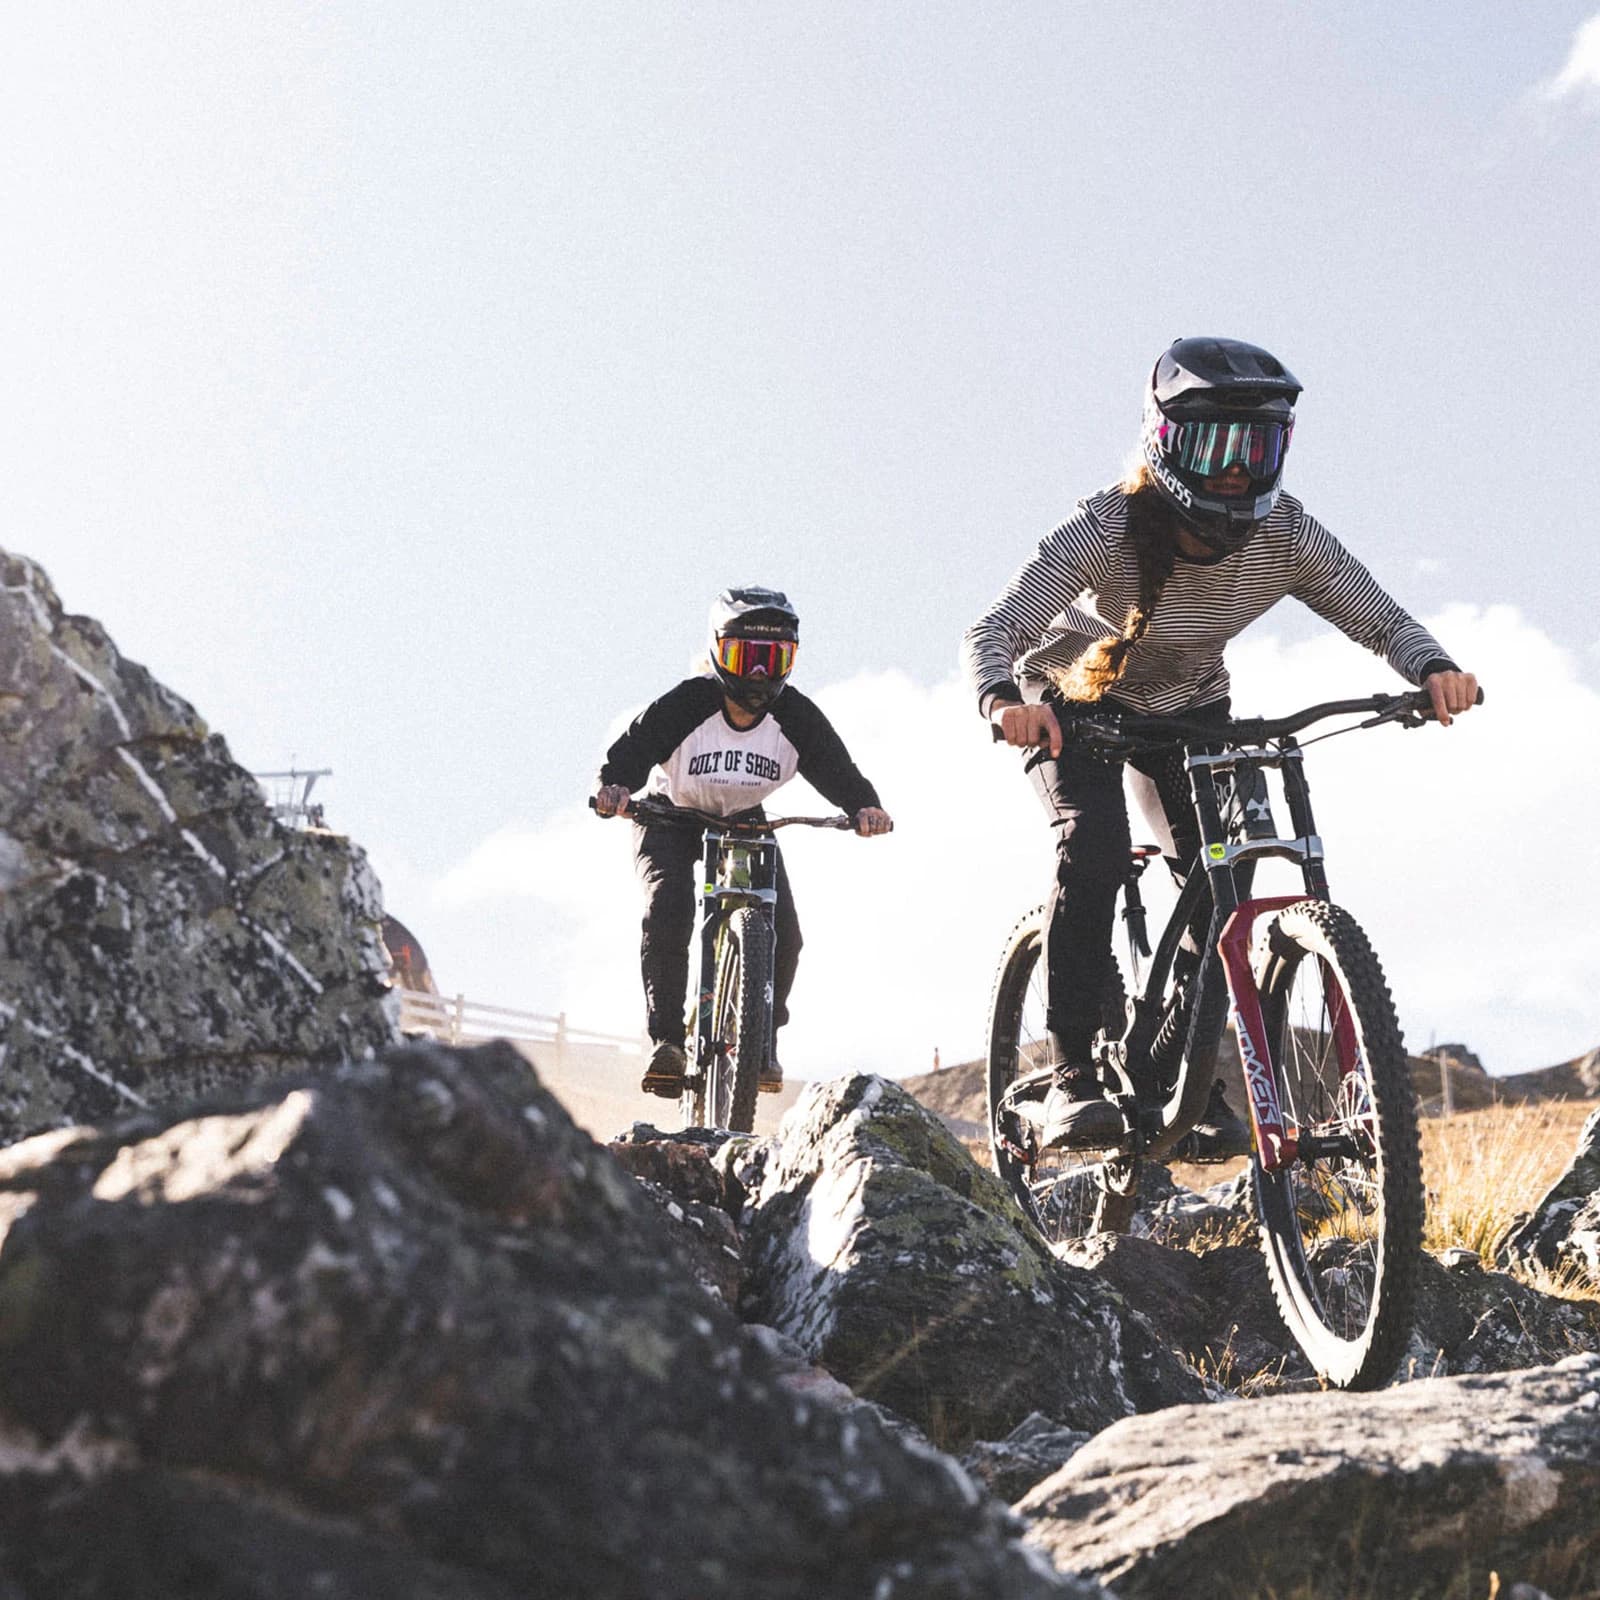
(1083, 795)
(667, 860)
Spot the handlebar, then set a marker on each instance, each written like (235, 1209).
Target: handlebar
(653, 808)
(1133, 731)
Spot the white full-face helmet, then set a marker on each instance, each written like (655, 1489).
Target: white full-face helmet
(755, 633)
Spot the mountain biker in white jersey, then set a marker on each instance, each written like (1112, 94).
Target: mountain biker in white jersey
(723, 742)
(1127, 606)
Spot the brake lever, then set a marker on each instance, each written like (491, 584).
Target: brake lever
(1409, 714)
(1403, 714)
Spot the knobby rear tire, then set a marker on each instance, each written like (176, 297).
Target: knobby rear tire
(1063, 1192)
(741, 1023)
(1342, 1234)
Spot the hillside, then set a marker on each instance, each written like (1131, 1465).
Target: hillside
(957, 1093)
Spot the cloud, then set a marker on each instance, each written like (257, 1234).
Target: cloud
(1468, 854)
(1579, 77)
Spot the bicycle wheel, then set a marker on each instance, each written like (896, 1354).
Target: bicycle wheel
(1342, 1226)
(742, 1007)
(1067, 1194)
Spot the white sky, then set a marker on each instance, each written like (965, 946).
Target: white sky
(398, 382)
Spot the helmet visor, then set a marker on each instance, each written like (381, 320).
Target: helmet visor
(1206, 449)
(744, 657)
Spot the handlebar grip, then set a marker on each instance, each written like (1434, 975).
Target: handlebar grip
(1422, 704)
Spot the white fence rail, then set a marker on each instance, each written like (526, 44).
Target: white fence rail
(454, 1019)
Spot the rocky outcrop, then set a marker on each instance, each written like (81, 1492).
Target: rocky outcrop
(1562, 1233)
(1217, 1311)
(879, 1246)
(1577, 1079)
(1008, 1468)
(160, 934)
(683, 1177)
(1423, 1490)
(401, 1329)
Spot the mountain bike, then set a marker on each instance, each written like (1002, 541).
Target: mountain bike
(1335, 1165)
(731, 1013)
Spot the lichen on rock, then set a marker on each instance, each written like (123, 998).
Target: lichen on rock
(883, 1250)
(161, 935)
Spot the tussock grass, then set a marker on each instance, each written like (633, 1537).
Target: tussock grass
(1222, 1368)
(1483, 1168)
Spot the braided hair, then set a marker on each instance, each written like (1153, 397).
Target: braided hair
(1153, 533)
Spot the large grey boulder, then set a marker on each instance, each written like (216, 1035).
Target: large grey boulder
(1562, 1233)
(160, 934)
(1217, 1310)
(401, 1329)
(891, 1257)
(1422, 1490)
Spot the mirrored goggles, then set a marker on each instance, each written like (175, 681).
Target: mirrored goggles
(743, 657)
(1208, 448)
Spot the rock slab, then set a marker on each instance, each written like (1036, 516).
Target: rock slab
(1422, 1490)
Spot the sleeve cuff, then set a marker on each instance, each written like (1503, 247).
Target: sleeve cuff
(997, 694)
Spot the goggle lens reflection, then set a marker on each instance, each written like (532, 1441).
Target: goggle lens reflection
(1209, 448)
(744, 657)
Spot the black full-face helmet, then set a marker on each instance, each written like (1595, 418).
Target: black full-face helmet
(754, 635)
(1212, 403)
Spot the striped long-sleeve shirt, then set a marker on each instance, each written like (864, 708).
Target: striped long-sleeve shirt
(1078, 586)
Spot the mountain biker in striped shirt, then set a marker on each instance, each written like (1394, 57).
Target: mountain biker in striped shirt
(1129, 604)
(723, 742)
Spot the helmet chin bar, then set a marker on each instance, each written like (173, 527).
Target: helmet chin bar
(753, 694)
(1225, 526)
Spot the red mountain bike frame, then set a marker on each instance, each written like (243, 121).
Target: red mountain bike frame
(1276, 1145)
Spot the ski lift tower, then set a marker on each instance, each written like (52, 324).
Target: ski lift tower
(289, 795)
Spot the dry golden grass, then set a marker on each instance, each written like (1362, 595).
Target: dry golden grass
(1481, 1168)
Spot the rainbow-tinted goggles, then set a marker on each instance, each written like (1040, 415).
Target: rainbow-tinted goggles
(745, 657)
(1206, 449)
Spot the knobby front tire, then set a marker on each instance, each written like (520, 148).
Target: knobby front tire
(1342, 1233)
(1063, 1192)
(740, 1021)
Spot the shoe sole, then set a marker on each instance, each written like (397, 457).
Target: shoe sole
(1099, 1139)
